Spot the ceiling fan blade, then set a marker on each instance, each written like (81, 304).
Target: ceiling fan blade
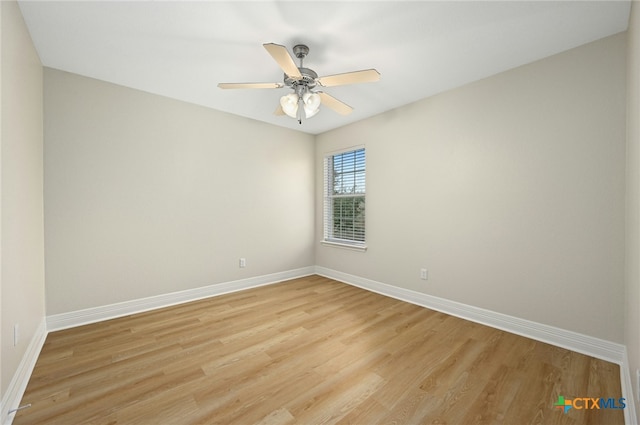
(364, 76)
(250, 85)
(278, 111)
(284, 59)
(333, 103)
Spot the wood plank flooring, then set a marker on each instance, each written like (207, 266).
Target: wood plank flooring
(308, 351)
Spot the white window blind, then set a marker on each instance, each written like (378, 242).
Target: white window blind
(344, 197)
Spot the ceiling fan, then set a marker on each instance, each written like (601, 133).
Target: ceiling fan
(303, 101)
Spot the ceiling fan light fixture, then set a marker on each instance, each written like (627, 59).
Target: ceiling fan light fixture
(309, 112)
(289, 104)
(311, 100)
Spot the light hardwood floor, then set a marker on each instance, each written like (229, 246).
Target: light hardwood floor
(308, 351)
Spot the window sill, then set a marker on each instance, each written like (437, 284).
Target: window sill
(352, 247)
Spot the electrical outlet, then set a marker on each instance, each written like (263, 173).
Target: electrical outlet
(16, 334)
(243, 263)
(424, 274)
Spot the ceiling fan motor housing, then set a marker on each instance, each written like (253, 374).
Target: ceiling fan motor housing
(308, 79)
(309, 76)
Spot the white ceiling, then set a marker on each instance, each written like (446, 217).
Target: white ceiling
(183, 49)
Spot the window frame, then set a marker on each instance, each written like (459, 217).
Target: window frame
(328, 176)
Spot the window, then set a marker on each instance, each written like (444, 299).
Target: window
(344, 198)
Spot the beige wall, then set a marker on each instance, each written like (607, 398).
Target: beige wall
(509, 190)
(632, 296)
(22, 246)
(145, 195)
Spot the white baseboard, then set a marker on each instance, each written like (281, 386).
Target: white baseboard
(97, 314)
(585, 344)
(595, 347)
(18, 384)
(630, 416)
